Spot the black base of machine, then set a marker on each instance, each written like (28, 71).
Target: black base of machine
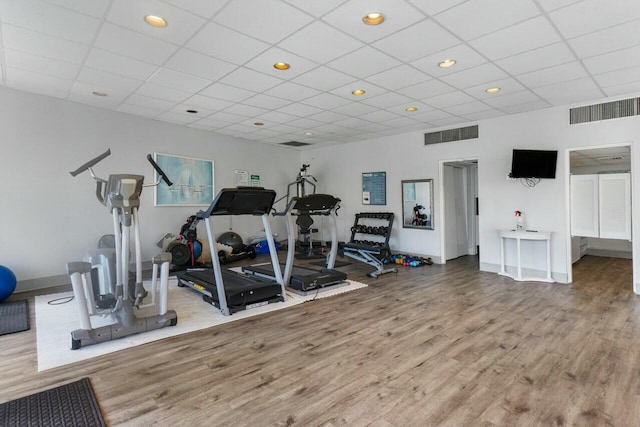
(302, 279)
(241, 292)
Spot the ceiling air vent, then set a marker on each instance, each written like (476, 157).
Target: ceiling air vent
(608, 110)
(451, 135)
(294, 144)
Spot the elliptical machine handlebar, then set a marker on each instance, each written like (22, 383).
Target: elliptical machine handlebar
(164, 176)
(91, 163)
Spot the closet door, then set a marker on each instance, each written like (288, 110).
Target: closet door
(584, 205)
(615, 206)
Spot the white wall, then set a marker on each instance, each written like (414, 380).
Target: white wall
(48, 218)
(339, 169)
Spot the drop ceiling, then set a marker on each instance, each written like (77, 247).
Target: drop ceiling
(215, 57)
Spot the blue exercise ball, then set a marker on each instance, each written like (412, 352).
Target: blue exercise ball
(7, 283)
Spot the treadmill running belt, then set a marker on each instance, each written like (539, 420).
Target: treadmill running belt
(303, 279)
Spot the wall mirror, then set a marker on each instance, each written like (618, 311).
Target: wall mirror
(417, 204)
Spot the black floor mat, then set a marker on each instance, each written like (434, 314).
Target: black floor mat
(323, 263)
(72, 404)
(14, 316)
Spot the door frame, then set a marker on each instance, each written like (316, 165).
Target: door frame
(635, 245)
(441, 200)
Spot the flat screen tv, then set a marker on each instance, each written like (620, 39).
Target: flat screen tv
(534, 164)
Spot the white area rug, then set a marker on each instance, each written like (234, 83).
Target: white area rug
(54, 323)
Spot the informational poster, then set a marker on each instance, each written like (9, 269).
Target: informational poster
(255, 180)
(374, 188)
(240, 178)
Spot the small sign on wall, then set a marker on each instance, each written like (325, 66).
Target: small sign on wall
(255, 180)
(240, 178)
(374, 188)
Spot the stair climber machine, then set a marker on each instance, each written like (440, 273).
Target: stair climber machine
(228, 290)
(104, 287)
(302, 279)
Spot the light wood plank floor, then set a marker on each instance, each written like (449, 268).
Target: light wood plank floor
(437, 345)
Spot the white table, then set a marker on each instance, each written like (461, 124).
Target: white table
(519, 236)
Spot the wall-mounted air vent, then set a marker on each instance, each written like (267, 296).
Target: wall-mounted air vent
(295, 144)
(451, 135)
(608, 110)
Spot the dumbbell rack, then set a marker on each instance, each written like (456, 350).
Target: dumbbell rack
(371, 225)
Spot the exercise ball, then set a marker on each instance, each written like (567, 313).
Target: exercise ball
(231, 239)
(7, 283)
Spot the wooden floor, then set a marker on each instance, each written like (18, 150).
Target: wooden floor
(436, 345)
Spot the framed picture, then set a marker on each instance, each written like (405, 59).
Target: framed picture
(374, 188)
(193, 181)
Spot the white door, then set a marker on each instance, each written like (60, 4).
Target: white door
(455, 210)
(615, 206)
(584, 205)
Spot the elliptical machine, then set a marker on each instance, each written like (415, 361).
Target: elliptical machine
(114, 295)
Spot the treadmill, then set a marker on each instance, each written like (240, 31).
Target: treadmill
(228, 290)
(302, 280)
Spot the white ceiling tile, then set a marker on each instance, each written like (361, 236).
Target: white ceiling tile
(620, 59)
(49, 19)
(328, 117)
(559, 73)
(138, 110)
(614, 38)
(177, 80)
(348, 18)
(299, 110)
(353, 122)
(470, 107)
(148, 102)
(252, 80)
(266, 102)
(278, 117)
(387, 100)
(225, 44)
(118, 64)
(548, 56)
(198, 64)
(82, 93)
(448, 121)
(186, 107)
(180, 27)
(565, 92)
(464, 56)
(401, 122)
(26, 61)
(524, 107)
(304, 123)
(346, 91)
(227, 117)
(449, 99)
(134, 45)
(316, 8)
(208, 103)
(419, 40)
(162, 92)
(176, 118)
(364, 62)
(550, 5)
(265, 61)
(37, 82)
(507, 85)
(528, 35)
(42, 45)
(268, 20)
(426, 89)
(324, 79)
(355, 109)
(226, 92)
(592, 15)
(398, 77)
(475, 18)
(481, 115)
(96, 8)
(213, 123)
(401, 109)
(326, 101)
(291, 91)
(106, 80)
(628, 75)
(205, 9)
(320, 43)
(474, 76)
(430, 116)
(512, 98)
(622, 89)
(433, 7)
(245, 110)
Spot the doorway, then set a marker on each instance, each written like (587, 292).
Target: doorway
(584, 166)
(459, 208)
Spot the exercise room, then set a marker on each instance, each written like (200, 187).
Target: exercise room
(319, 213)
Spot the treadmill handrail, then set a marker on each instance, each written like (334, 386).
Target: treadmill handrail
(232, 201)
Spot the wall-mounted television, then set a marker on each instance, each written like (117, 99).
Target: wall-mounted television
(533, 164)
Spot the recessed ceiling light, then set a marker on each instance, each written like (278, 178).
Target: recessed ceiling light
(309, 133)
(447, 63)
(281, 66)
(99, 93)
(155, 21)
(493, 90)
(192, 111)
(411, 109)
(259, 124)
(358, 92)
(373, 18)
